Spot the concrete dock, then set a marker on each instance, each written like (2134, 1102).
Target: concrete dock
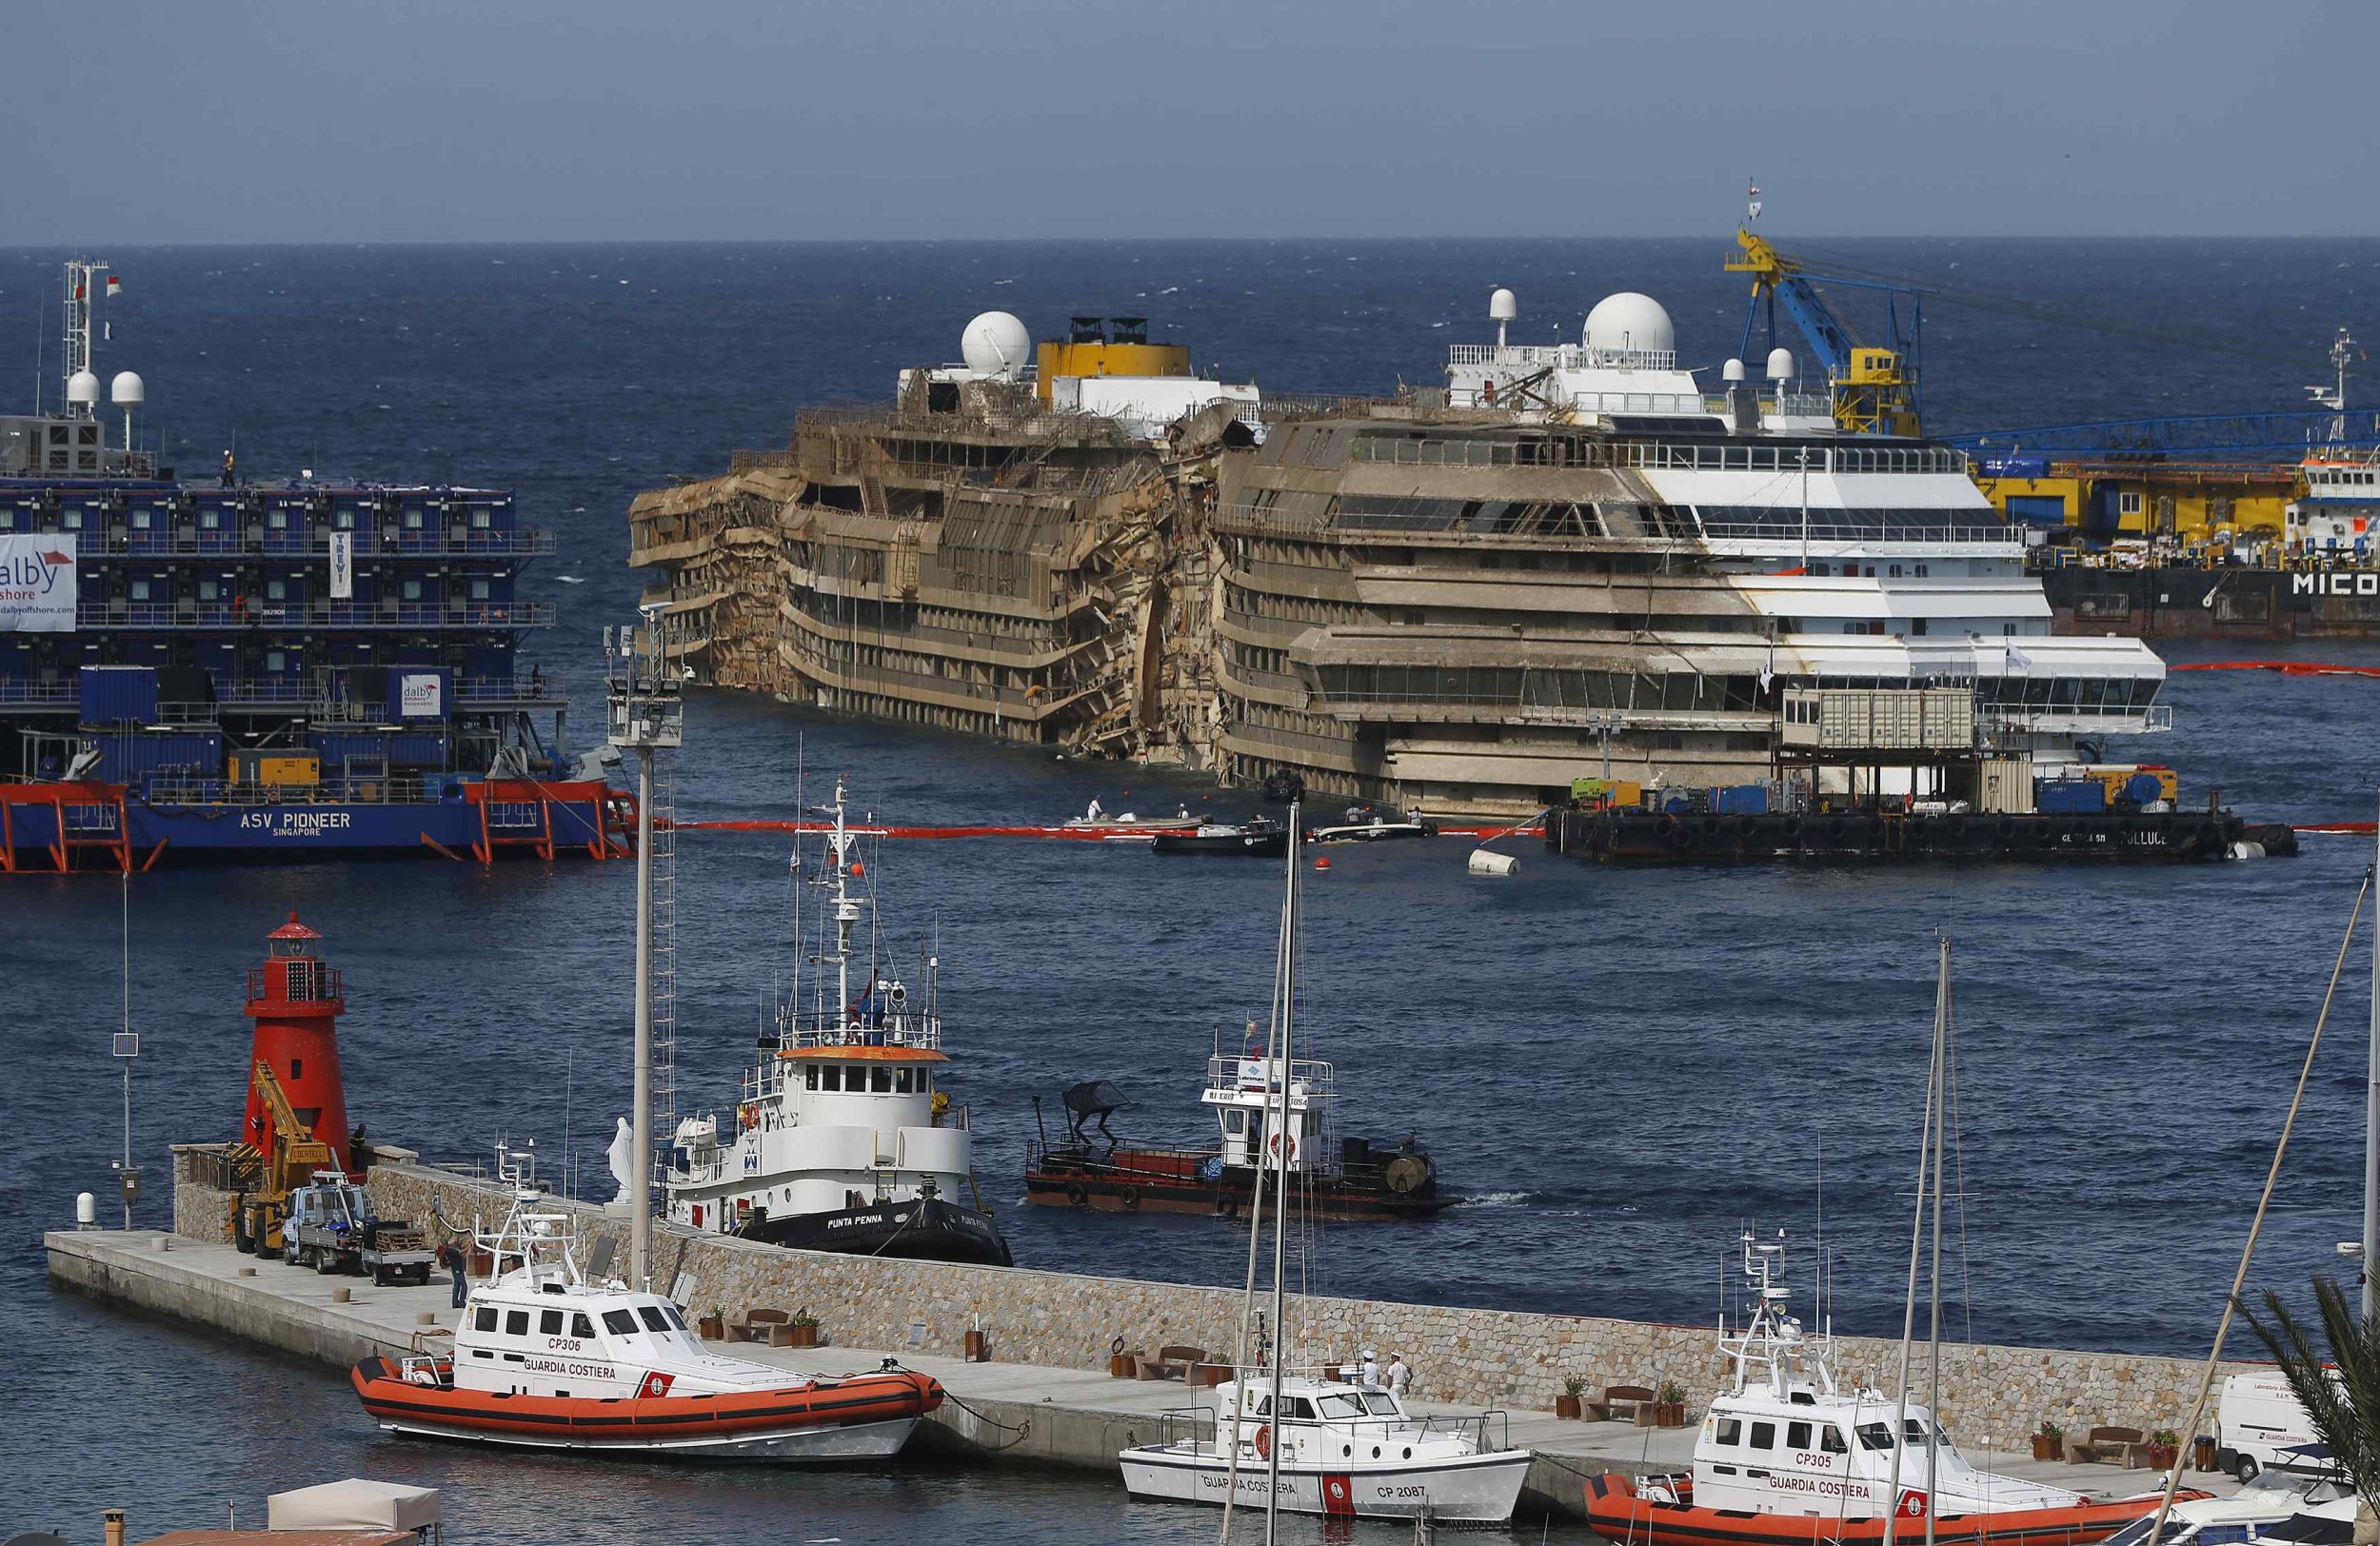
(1010, 1412)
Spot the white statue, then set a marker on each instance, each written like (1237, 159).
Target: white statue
(623, 1157)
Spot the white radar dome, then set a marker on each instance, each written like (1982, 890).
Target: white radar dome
(1629, 324)
(1781, 364)
(82, 386)
(996, 343)
(1503, 305)
(127, 390)
(1733, 370)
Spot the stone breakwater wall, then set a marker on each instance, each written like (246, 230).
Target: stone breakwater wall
(1992, 1397)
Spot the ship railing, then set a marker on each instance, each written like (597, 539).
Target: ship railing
(1785, 528)
(422, 543)
(16, 691)
(396, 789)
(1223, 1073)
(1487, 1432)
(861, 1029)
(306, 982)
(284, 615)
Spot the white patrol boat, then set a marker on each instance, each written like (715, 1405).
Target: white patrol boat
(1784, 1456)
(546, 1359)
(840, 1141)
(1345, 1451)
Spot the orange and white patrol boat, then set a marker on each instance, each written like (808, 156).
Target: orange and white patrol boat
(1785, 1458)
(544, 1360)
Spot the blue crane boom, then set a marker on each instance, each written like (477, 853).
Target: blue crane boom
(1876, 390)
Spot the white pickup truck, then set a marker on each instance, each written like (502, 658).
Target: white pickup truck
(331, 1227)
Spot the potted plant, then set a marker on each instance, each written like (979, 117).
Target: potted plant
(1669, 1406)
(2165, 1447)
(1570, 1403)
(1120, 1360)
(804, 1329)
(712, 1327)
(2048, 1441)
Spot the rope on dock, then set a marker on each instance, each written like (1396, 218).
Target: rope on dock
(1021, 1430)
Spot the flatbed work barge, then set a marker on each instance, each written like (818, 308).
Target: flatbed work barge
(2114, 837)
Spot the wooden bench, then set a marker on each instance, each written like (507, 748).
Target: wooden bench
(1635, 1402)
(2121, 1446)
(757, 1325)
(1172, 1363)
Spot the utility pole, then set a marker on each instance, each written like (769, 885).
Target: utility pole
(2372, 1127)
(648, 718)
(127, 1046)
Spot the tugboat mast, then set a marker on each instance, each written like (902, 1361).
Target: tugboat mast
(647, 716)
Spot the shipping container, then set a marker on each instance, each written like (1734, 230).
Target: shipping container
(2071, 797)
(1743, 800)
(119, 694)
(418, 748)
(2005, 786)
(181, 756)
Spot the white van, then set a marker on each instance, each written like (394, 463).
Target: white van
(2256, 1418)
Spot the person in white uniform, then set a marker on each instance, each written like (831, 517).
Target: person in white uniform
(1398, 1376)
(1369, 1373)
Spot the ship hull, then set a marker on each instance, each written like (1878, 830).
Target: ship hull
(2114, 837)
(1117, 1184)
(1240, 844)
(298, 831)
(923, 1229)
(1618, 1512)
(862, 1419)
(1476, 1490)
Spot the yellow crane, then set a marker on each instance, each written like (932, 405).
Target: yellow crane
(297, 1154)
(1875, 390)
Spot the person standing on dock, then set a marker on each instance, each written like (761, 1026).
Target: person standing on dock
(1398, 1376)
(451, 1257)
(1369, 1377)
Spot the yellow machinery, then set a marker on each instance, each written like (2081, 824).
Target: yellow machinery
(297, 1154)
(1876, 390)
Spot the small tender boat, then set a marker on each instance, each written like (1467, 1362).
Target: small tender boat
(1260, 836)
(1370, 823)
(1345, 1451)
(544, 1360)
(1784, 1458)
(1126, 827)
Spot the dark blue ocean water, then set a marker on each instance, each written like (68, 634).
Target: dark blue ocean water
(1625, 1068)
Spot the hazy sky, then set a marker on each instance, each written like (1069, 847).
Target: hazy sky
(430, 120)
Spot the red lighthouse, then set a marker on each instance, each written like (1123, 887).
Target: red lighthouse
(296, 1000)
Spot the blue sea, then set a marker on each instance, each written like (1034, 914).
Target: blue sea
(1623, 1070)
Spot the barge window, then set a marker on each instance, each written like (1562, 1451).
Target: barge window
(1797, 1435)
(832, 1077)
(550, 1323)
(1764, 1435)
(1731, 1431)
(516, 1324)
(1831, 1441)
(619, 1323)
(810, 1081)
(579, 1325)
(882, 1081)
(654, 1319)
(1235, 1120)
(903, 1082)
(1876, 1436)
(486, 1319)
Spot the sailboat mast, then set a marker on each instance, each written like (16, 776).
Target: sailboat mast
(1940, 1099)
(1281, 1135)
(1917, 1240)
(2371, 1120)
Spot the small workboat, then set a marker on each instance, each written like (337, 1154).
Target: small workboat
(546, 1359)
(1372, 824)
(1331, 1178)
(1128, 826)
(1260, 837)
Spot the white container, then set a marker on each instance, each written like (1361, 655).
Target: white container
(1488, 862)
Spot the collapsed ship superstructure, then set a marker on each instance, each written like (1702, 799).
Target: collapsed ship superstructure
(1569, 559)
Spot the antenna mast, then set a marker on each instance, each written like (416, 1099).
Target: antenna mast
(80, 274)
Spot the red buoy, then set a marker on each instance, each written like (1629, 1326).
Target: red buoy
(858, 869)
(296, 1002)
(1322, 862)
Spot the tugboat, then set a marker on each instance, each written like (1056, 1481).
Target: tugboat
(841, 1139)
(1302, 1441)
(1260, 837)
(1785, 1458)
(1348, 1180)
(544, 1360)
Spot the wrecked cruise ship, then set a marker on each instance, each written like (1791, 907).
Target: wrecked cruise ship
(1569, 559)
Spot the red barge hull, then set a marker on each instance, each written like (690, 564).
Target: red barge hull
(1626, 1517)
(1177, 1180)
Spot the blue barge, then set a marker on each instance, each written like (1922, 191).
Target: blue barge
(299, 669)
